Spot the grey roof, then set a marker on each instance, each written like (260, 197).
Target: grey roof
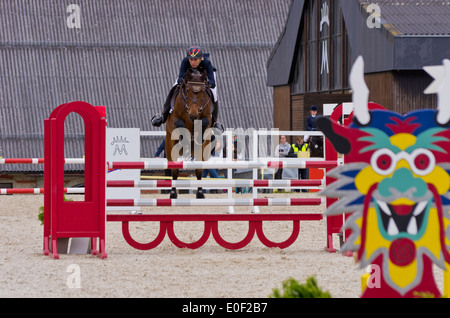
(126, 56)
(415, 17)
(413, 34)
(281, 58)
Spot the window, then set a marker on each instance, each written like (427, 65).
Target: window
(312, 46)
(322, 52)
(324, 44)
(337, 52)
(298, 85)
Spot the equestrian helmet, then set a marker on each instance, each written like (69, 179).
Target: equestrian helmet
(195, 52)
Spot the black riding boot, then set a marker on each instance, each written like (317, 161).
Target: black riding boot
(160, 119)
(214, 115)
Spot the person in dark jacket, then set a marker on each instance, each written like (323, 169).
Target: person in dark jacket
(195, 59)
(311, 119)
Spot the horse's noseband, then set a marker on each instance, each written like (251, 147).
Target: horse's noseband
(197, 88)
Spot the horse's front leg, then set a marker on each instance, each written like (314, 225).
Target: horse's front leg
(173, 192)
(200, 194)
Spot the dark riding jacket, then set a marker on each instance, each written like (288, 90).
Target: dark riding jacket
(205, 64)
(311, 124)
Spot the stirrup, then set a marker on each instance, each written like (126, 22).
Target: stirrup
(157, 120)
(219, 126)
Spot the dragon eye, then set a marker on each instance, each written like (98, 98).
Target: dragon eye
(382, 161)
(423, 160)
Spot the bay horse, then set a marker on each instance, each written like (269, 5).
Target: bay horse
(192, 103)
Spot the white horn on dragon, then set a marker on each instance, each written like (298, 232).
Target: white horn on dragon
(441, 87)
(360, 92)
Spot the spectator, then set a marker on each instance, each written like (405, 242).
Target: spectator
(311, 119)
(282, 150)
(159, 151)
(216, 153)
(161, 148)
(237, 151)
(237, 154)
(300, 149)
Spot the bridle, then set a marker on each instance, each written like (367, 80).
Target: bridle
(197, 87)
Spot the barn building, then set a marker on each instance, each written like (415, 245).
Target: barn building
(321, 39)
(124, 55)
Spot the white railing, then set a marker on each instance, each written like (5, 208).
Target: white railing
(258, 140)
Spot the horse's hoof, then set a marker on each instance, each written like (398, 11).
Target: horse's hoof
(200, 195)
(173, 195)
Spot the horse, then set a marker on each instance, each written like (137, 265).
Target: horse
(192, 102)
(316, 146)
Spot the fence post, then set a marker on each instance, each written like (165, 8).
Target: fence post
(65, 219)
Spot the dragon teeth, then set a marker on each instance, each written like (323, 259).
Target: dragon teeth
(420, 207)
(412, 226)
(384, 207)
(392, 227)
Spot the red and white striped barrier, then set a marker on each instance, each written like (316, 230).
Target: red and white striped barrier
(299, 164)
(179, 184)
(216, 202)
(38, 160)
(212, 183)
(38, 191)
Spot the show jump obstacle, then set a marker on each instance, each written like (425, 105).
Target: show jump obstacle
(78, 218)
(68, 219)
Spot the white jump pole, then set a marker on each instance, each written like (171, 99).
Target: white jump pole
(216, 202)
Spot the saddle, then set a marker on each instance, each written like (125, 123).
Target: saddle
(173, 95)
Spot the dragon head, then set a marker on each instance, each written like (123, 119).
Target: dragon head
(396, 181)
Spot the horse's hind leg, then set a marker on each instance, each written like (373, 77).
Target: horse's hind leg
(173, 191)
(200, 194)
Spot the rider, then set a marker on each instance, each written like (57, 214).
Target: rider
(195, 59)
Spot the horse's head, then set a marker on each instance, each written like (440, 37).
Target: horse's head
(194, 92)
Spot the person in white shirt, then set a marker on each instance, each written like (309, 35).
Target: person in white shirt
(282, 150)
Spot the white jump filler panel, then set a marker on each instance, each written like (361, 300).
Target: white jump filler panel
(123, 144)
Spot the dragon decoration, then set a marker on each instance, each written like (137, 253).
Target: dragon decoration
(396, 184)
